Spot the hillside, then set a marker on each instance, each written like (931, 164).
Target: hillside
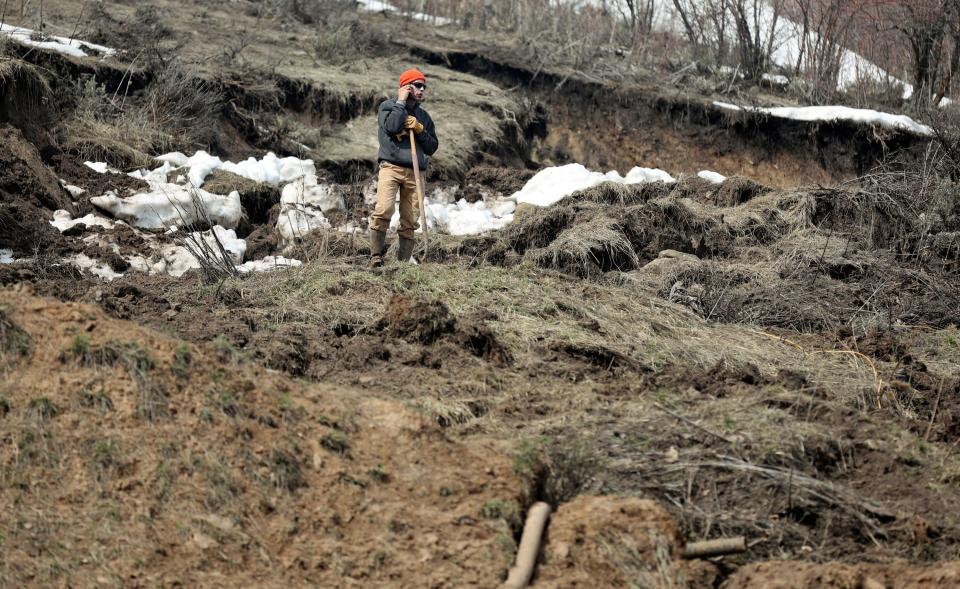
(670, 320)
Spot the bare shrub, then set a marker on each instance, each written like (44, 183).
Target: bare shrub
(24, 90)
(177, 111)
(343, 36)
(304, 11)
(182, 105)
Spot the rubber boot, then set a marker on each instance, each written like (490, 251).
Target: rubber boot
(405, 249)
(378, 247)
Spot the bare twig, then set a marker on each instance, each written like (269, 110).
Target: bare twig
(692, 423)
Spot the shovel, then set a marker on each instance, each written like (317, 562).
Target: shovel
(416, 176)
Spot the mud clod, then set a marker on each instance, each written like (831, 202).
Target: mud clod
(417, 320)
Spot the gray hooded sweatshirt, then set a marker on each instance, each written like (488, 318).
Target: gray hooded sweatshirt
(391, 117)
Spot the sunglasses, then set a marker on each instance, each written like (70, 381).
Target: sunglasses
(419, 85)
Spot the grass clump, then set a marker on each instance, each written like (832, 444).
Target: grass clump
(137, 361)
(336, 442)
(286, 471)
(508, 511)
(99, 400)
(15, 343)
(379, 474)
(105, 454)
(182, 359)
(43, 409)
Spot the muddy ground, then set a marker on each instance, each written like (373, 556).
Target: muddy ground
(661, 363)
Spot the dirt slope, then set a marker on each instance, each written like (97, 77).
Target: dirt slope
(146, 462)
(29, 193)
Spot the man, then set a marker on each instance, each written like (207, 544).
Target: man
(395, 117)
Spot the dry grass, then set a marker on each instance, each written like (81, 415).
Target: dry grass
(178, 111)
(24, 89)
(14, 341)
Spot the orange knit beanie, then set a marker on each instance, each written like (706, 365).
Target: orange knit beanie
(410, 76)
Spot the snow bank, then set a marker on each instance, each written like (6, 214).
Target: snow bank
(304, 202)
(171, 204)
(270, 169)
(63, 220)
(713, 177)
(463, 218)
(837, 113)
(72, 47)
(552, 184)
(296, 222)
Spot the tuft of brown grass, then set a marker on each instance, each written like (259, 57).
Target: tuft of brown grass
(24, 89)
(179, 110)
(15, 343)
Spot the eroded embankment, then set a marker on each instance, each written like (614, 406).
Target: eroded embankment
(606, 125)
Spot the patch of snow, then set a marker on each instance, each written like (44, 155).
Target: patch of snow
(270, 169)
(63, 220)
(268, 263)
(304, 202)
(295, 223)
(176, 260)
(837, 113)
(74, 190)
(710, 176)
(155, 176)
(85, 262)
(99, 167)
(170, 204)
(67, 46)
(273, 170)
(381, 6)
(444, 194)
(775, 79)
(463, 218)
(201, 164)
(6, 256)
(174, 158)
(304, 193)
(552, 184)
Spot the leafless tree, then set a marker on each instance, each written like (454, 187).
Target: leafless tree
(931, 29)
(825, 28)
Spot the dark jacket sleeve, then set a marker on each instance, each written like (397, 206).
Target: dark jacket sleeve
(392, 116)
(428, 139)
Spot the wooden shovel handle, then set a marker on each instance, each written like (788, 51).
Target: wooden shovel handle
(420, 196)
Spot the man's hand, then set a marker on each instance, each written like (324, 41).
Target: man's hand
(404, 93)
(413, 123)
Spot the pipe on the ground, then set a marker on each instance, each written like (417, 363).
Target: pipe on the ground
(522, 570)
(718, 547)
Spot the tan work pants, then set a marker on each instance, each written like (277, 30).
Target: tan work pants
(391, 179)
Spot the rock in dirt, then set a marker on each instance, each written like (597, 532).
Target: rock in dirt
(29, 193)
